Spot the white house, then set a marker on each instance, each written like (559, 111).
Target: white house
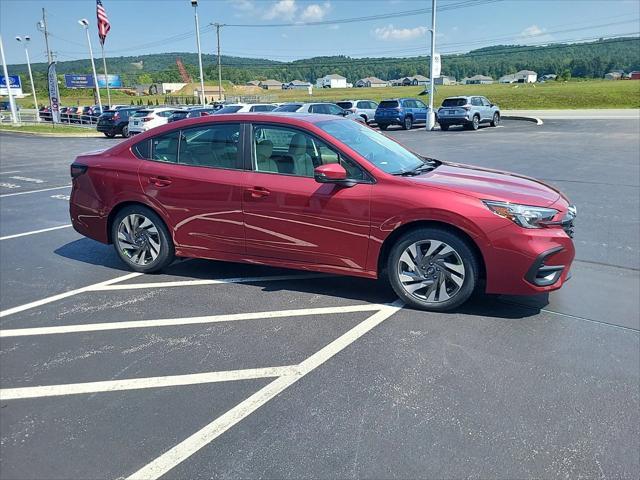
(332, 81)
(296, 85)
(526, 76)
(445, 80)
(479, 80)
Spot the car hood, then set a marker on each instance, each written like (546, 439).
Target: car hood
(489, 184)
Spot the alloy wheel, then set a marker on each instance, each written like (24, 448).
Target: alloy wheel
(431, 271)
(138, 239)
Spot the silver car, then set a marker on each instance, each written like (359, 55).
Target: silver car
(365, 108)
(469, 112)
(324, 108)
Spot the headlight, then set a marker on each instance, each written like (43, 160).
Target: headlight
(524, 215)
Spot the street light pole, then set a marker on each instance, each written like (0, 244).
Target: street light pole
(7, 81)
(218, 25)
(27, 39)
(194, 3)
(431, 117)
(85, 24)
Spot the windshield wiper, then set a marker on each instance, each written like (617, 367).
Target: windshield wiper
(425, 167)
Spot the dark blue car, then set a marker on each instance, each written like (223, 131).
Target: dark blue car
(405, 112)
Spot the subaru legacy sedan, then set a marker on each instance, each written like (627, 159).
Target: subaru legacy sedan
(323, 193)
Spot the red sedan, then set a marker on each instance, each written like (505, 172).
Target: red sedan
(325, 194)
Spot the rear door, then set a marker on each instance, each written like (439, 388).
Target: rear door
(290, 216)
(420, 111)
(194, 176)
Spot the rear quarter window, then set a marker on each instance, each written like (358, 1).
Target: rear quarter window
(142, 150)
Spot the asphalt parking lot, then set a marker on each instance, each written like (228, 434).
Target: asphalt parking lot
(214, 370)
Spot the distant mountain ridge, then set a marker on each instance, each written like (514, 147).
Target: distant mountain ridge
(588, 60)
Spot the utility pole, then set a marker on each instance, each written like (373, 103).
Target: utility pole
(194, 3)
(218, 25)
(46, 34)
(431, 117)
(7, 82)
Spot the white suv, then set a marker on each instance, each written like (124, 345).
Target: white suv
(147, 118)
(247, 107)
(365, 108)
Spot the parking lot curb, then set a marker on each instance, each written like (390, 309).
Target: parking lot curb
(536, 120)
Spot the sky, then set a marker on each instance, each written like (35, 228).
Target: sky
(157, 26)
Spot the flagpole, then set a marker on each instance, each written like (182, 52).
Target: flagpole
(106, 75)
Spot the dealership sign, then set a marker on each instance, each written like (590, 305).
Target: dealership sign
(437, 66)
(14, 83)
(54, 94)
(87, 81)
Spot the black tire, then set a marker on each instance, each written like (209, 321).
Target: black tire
(444, 127)
(109, 134)
(460, 293)
(383, 126)
(125, 131)
(166, 253)
(366, 120)
(496, 120)
(408, 123)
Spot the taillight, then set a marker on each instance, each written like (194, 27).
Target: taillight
(467, 107)
(116, 116)
(147, 119)
(77, 169)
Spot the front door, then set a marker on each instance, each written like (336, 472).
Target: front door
(288, 215)
(194, 177)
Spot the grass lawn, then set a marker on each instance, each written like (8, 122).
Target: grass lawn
(48, 128)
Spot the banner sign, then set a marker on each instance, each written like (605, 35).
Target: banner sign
(436, 65)
(14, 83)
(54, 95)
(78, 81)
(114, 81)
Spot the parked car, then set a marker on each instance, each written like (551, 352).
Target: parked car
(323, 108)
(6, 106)
(468, 111)
(190, 113)
(226, 187)
(246, 107)
(90, 114)
(44, 113)
(148, 118)
(405, 112)
(365, 108)
(116, 122)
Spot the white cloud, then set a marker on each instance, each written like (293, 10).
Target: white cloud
(534, 32)
(334, 27)
(315, 12)
(391, 33)
(243, 5)
(283, 10)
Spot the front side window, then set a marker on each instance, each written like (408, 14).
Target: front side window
(215, 145)
(334, 110)
(419, 104)
(476, 102)
(292, 152)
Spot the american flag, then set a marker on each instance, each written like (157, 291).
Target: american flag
(103, 22)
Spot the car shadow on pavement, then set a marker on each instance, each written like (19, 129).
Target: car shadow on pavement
(89, 251)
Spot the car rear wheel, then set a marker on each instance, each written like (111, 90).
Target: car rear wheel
(432, 269)
(383, 126)
(496, 120)
(475, 123)
(444, 126)
(125, 131)
(408, 123)
(109, 134)
(141, 239)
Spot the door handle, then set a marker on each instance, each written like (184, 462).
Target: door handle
(259, 192)
(160, 181)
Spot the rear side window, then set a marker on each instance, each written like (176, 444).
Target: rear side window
(476, 102)
(214, 145)
(454, 102)
(388, 104)
(291, 107)
(348, 105)
(164, 148)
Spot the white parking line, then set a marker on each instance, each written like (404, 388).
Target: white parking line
(28, 179)
(149, 382)
(12, 171)
(33, 191)
(213, 430)
(191, 283)
(60, 296)
(166, 322)
(17, 235)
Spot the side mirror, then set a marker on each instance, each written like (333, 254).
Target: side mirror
(345, 113)
(331, 173)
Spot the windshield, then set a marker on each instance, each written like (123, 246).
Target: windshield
(383, 152)
(290, 107)
(454, 102)
(229, 109)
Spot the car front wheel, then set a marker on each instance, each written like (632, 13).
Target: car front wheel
(432, 269)
(383, 126)
(141, 239)
(496, 120)
(475, 123)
